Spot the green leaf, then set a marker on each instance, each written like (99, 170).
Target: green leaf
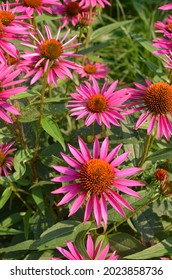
(51, 127)
(144, 43)
(18, 247)
(5, 196)
(25, 94)
(161, 249)
(20, 158)
(58, 234)
(9, 231)
(38, 198)
(12, 219)
(124, 243)
(108, 28)
(161, 155)
(147, 223)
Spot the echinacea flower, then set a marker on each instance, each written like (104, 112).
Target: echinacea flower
(93, 252)
(13, 22)
(92, 70)
(7, 76)
(30, 6)
(50, 52)
(6, 162)
(156, 102)
(69, 9)
(96, 180)
(102, 105)
(93, 3)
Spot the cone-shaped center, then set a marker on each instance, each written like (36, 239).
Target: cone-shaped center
(158, 98)
(2, 158)
(161, 174)
(168, 27)
(33, 3)
(90, 69)
(6, 17)
(97, 103)
(96, 175)
(51, 49)
(73, 9)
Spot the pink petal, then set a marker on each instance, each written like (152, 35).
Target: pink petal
(64, 178)
(104, 210)
(104, 148)
(76, 154)
(97, 210)
(88, 208)
(128, 182)
(69, 196)
(103, 253)
(65, 170)
(96, 148)
(120, 159)
(84, 149)
(90, 247)
(78, 203)
(126, 190)
(151, 124)
(73, 163)
(113, 153)
(127, 172)
(115, 205)
(120, 199)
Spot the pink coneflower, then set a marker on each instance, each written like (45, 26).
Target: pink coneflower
(92, 70)
(70, 9)
(156, 101)
(40, 6)
(50, 52)
(96, 179)
(102, 105)
(93, 3)
(14, 25)
(6, 162)
(7, 76)
(93, 252)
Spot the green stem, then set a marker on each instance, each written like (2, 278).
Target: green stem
(21, 199)
(133, 213)
(148, 144)
(88, 34)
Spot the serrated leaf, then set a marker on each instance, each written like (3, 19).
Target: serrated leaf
(161, 249)
(51, 127)
(5, 196)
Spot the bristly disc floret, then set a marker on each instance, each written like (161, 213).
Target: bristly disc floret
(97, 103)
(6, 17)
(51, 49)
(90, 69)
(158, 98)
(73, 9)
(33, 3)
(96, 175)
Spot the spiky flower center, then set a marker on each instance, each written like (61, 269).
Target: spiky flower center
(2, 158)
(96, 175)
(51, 49)
(97, 103)
(158, 98)
(6, 17)
(33, 3)
(161, 174)
(90, 69)
(73, 9)
(168, 27)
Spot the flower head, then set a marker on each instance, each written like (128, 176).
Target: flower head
(92, 70)
(50, 52)
(93, 252)
(93, 3)
(6, 162)
(96, 177)
(161, 174)
(156, 102)
(7, 76)
(69, 9)
(40, 6)
(102, 105)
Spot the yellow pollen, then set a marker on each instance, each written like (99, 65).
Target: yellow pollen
(33, 3)
(90, 69)
(96, 175)
(73, 9)
(97, 103)
(158, 98)
(2, 158)
(51, 49)
(6, 17)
